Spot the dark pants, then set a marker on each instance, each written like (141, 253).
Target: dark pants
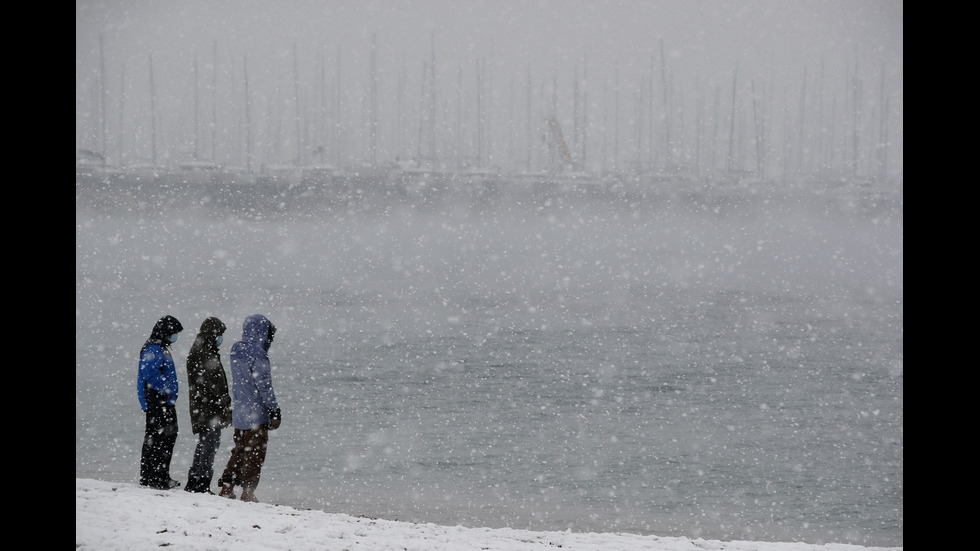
(245, 464)
(202, 469)
(158, 446)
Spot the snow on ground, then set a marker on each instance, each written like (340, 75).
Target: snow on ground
(110, 515)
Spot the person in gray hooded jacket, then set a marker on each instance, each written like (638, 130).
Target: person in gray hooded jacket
(255, 410)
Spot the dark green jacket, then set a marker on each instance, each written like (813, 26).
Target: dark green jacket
(207, 383)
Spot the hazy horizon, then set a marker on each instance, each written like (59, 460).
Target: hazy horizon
(631, 83)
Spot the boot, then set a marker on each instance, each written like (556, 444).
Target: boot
(227, 490)
(248, 494)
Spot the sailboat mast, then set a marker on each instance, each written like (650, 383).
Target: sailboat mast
(856, 116)
(731, 131)
(432, 102)
(585, 113)
(802, 145)
(102, 95)
(122, 111)
(197, 101)
(153, 116)
(422, 110)
(479, 113)
(214, 103)
(668, 145)
(248, 119)
(296, 109)
(759, 137)
(458, 159)
(615, 155)
(529, 90)
(373, 130)
(883, 131)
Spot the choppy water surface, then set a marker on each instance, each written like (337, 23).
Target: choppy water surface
(718, 373)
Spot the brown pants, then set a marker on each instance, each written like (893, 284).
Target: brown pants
(245, 464)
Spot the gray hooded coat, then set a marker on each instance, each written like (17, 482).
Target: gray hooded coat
(251, 374)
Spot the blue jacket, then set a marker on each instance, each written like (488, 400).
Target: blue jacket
(156, 383)
(251, 375)
(156, 380)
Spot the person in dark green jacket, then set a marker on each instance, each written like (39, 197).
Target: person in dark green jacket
(210, 402)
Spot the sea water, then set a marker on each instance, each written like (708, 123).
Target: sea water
(719, 371)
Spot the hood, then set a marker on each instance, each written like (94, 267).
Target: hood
(255, 330)
(212, 328)
(206, 339)
(165, 326)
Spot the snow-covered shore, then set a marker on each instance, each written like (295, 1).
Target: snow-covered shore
(111, 515)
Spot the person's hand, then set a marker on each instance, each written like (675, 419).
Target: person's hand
(275, 419)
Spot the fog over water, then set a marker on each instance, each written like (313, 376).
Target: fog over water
(592, 250)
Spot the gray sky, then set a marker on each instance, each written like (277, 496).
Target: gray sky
(614, 42)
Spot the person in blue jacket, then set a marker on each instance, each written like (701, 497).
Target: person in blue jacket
(255, 410)
(156, 388)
